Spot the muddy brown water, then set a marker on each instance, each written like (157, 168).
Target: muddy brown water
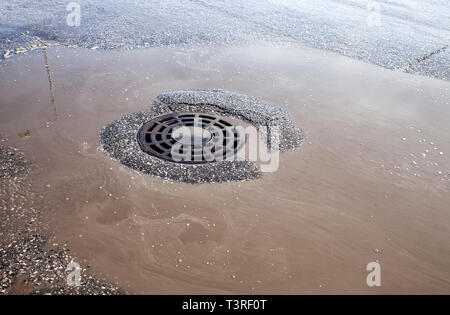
(369, 183)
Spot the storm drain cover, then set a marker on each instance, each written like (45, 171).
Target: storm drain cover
(192, 138)
(202, 131)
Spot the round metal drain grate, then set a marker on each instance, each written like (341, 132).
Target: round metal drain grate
(193, 138)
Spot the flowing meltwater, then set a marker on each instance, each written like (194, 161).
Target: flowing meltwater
(370, 182)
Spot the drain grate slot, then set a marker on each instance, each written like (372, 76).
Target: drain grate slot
(206, 137)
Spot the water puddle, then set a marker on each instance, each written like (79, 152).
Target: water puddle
(369, 183)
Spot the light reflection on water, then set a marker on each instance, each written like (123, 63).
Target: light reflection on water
(373, 172)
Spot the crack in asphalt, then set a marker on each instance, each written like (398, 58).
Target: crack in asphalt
(27, 133)
(419, 60)
(50, 82)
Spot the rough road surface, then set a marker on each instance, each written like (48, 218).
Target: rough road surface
(410, 35)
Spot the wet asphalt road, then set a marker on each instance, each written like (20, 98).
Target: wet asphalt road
(397, 34)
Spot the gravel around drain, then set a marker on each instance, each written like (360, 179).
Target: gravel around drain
(119, 137)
